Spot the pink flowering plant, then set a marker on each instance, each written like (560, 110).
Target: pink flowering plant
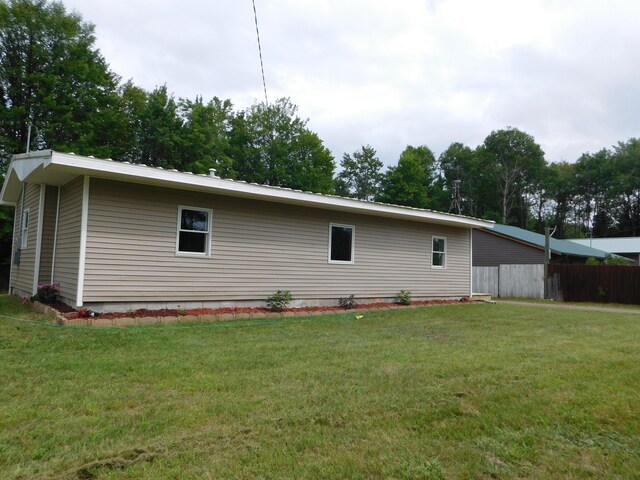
(47, 292)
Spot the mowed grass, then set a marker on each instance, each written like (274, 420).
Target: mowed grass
(446, 392)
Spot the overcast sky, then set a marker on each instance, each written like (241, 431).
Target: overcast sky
(394, 73)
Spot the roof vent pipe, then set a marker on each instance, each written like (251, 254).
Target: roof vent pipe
(212, 173)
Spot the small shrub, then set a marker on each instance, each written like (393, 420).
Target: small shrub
(86, 313)
(279, 300)
(47, 292)
(404, 297)
(348, 303)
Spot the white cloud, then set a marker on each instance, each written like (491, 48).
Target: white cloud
(397, 73)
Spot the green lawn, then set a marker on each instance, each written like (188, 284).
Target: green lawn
(458, 391)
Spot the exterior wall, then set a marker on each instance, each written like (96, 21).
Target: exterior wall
(256, 248)
(22, 275)
(48, 232)
(67, 252)
(490, 250)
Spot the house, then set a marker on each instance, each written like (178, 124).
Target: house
(119, 236)
(507, 245)
(628, 247)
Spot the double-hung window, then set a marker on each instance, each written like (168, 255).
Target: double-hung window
(194, 231)
(24, 232)
(438, 252)
(341, 243)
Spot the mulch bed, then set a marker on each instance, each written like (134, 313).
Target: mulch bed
(62, 307)
(71, 313)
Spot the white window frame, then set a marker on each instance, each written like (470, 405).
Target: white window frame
(207, 252)
(444, 265)
(353, 244)
(24, 230)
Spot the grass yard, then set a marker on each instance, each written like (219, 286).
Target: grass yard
(445, 392)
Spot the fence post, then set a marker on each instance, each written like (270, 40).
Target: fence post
(547, 236)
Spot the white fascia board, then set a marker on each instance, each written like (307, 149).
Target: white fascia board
(20, 168)
(8, 179)
(156, 176)
(83, 241)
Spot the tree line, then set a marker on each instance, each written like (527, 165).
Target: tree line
(53, 78)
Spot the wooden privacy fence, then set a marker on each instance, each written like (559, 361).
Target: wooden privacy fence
(595, 283)
(517, 281)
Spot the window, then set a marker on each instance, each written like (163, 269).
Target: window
(341, 243)
(438, 252)
(25, 229)
(194, 228)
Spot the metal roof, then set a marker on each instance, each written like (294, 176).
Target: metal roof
(615, 245)
(560, 247)
(54, 168)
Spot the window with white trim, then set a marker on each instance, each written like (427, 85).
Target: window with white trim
(194, 231)
(341, 243)
(438, 252)
(24, 232)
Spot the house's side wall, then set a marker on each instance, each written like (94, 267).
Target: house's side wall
(490, 250)
(48, 232)
(22, 275)
(67, 250)
(256, 248)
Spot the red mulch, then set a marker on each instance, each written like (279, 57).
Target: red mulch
(61, 307)
(70, 313)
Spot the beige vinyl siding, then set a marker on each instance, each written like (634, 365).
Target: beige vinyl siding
(256, 248)
(22, 275)
(48, 232)
(67, 252)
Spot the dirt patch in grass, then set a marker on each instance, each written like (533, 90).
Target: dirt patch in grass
(93, 469)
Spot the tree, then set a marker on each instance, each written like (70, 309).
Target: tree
(625, 192)
(205, 136)
(560, 188)
(271, 144)
(160, 130)
(132, 105)
(514, 160)
(52, 76)
(360, 176)
(459, 163)
(594, 178)
(409, 182)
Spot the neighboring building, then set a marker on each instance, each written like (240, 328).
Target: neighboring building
(119, 236)
(509, 261)
(507, 245)
(628, 247)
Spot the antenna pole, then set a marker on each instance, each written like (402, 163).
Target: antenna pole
(456, 202)
(28, 137)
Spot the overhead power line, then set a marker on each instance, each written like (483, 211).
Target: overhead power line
(264, 82)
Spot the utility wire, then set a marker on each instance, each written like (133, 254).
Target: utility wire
(264, 82)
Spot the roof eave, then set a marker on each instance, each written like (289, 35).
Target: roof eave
(63, 163)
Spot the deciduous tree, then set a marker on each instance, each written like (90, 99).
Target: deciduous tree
(52, 76)
(410, 181)
(514, 159)
(361, 174)
(271, 144)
